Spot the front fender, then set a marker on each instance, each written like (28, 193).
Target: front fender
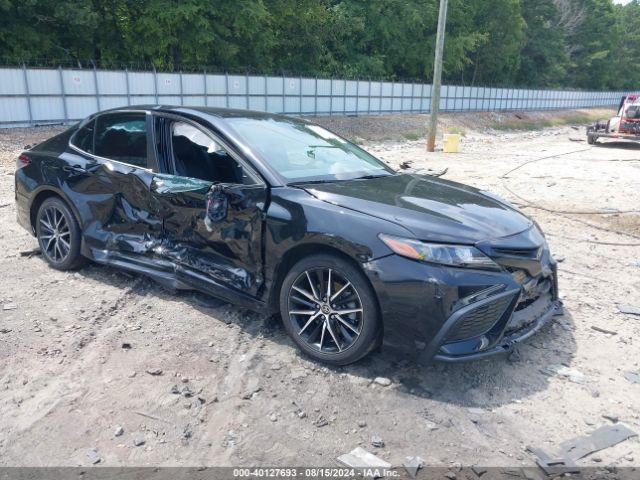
(297, 221)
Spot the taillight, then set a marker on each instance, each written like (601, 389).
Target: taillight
(23, 161)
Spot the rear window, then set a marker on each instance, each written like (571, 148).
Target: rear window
(122, 137)
(83, 139)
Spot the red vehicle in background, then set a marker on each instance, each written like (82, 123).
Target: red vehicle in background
(625, 125)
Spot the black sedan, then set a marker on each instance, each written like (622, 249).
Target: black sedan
(285, 217)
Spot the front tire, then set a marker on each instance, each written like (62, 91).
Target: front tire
(58, 234)
(330, 310)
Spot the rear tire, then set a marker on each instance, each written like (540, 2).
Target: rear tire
(337, 319)
(58, 234)
(591, 138)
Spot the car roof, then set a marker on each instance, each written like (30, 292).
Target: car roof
(217, 117)
(201, 111)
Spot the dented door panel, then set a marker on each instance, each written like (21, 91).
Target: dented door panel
(226, 248)
(122, 221)
(112, 201)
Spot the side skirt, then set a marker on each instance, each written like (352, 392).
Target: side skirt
(177, 277)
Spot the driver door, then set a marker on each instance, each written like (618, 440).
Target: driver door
(212, 208)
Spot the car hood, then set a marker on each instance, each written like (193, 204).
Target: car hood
(433, 209)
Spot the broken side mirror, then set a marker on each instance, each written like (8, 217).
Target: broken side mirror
(217, 204)
(234, 193)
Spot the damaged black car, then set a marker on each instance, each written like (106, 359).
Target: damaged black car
(284, 217)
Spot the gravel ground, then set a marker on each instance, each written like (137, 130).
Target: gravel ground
(101, 364)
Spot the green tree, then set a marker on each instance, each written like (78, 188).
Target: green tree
(590, 43)
(576, 43)
(543, 56)
(626, 68)
(496, 58)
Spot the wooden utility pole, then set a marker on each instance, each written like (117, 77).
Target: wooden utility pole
(437, 76)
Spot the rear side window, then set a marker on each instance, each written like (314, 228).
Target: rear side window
(122, 137)
(83, 139)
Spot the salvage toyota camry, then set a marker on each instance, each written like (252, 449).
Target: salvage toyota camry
(284, 217)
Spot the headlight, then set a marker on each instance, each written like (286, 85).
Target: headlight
(453, 255)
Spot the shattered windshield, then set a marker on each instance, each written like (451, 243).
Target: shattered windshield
(303, 152)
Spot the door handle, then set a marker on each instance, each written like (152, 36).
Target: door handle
(74, 169)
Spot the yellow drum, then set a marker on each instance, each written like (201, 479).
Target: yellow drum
(451, 143)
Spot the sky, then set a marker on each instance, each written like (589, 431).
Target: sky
(622, 2)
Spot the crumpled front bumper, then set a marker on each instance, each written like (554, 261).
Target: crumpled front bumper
(507, 341)
(455, 314)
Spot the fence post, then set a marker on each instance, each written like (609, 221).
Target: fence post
(64, 96)
(204, 87)
(548, 104)
(284, 96)
(369, 98)
(266, 96)
(246, 88)
(393, 94)
(155, 85)
(456, 97)
(96, 88)
(473, 94)
(126, 76)
(532, 100)
(547, 99)
(226, 89)
(181, 89)
(344, 97)
(300, 93)
(27, 93)
(413, 97)
(331, 96)
(484, 108)
(315, 98)
(357, 94)
(380, 97)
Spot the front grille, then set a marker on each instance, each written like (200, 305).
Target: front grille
(479, 320)
(532, 253)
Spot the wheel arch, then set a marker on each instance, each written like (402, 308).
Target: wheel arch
(297, 253)
(40, 195)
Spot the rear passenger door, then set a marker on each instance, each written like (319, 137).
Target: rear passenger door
(115, 181)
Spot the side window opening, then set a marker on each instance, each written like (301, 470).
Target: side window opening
(197, 155)
(122, 137)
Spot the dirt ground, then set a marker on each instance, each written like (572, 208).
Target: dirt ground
(75, 348)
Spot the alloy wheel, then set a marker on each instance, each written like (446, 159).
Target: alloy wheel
(55, 235)
(326, 310)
